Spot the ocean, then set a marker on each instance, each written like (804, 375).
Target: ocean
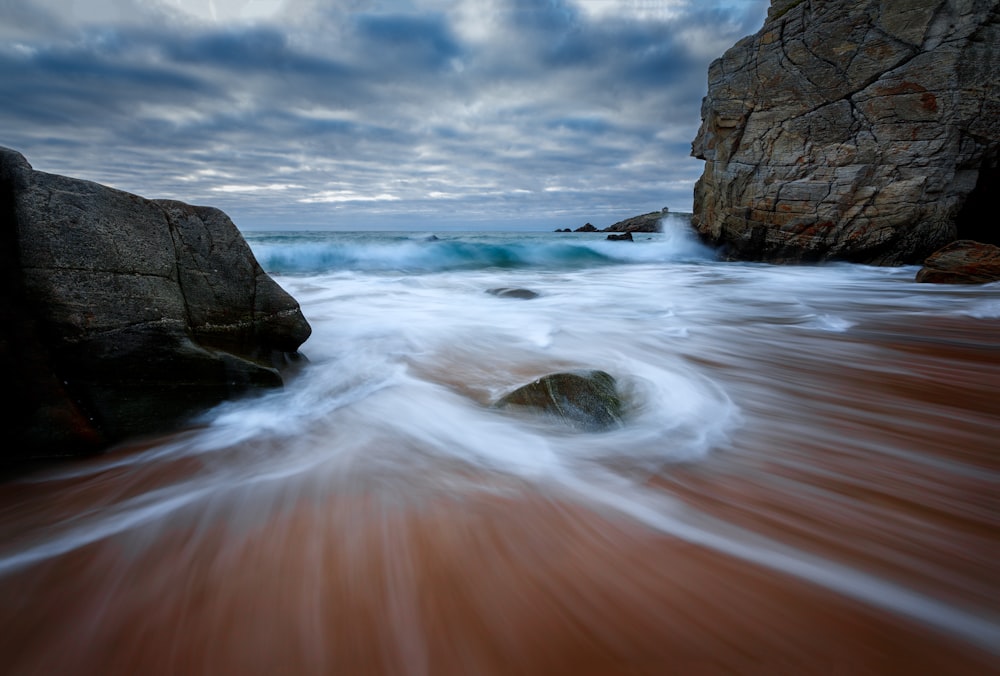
(807, 477)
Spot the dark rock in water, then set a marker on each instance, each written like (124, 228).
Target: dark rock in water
(645, 223)
(624, 237)
(588, 400)
(563, 230)
(122, 316)
(962, 262)
(432, 238)
(526, 294)
(866, 131)
(586, 228)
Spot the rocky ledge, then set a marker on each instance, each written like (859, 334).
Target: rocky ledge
(122, 316)
(962, 262)
(865, 131)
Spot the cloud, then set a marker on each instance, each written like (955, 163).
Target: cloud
(369, 113)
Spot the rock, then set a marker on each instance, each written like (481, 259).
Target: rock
(586, 228)
(962, 262)
(526, 294)
(624, 237)
(563, 230)
(122, 316)
(587, 400)
(864, 131)
(645, 223)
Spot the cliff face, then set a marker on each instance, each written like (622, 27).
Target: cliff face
(123, 315)
(865, 131)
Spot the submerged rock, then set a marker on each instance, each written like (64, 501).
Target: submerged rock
(866, 131)
(962, 262)
(624, 237)
(525, 294)
(588, 400)
(123, 315)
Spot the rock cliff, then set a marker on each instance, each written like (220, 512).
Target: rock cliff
(866, 131)
(122, 315)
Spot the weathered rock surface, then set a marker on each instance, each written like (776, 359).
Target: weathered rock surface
(588, 400)
(645, 223)
(962, 262)
(122, 315)
(587, 227)
(865, 131)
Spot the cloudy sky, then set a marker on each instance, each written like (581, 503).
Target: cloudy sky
(357, 114)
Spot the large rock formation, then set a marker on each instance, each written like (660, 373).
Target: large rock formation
(865, 131)
(123, 315)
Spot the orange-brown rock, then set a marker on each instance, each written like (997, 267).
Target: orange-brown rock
(962, 262)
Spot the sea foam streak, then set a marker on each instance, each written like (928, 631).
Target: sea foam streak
(737, 362)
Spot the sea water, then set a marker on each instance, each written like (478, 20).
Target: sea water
(826, 406)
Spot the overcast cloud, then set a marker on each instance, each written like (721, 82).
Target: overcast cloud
(357, 114)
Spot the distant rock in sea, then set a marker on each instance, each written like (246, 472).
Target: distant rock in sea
(589, 227)
(624, 237)
(865, 131)
(123, 316)
(645, 223)
(523, 294)
(962, 262)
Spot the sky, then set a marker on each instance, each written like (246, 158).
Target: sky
(371, 114)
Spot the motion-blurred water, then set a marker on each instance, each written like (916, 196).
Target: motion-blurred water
(808, 472)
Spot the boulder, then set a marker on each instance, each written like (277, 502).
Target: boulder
(865, 131)
(505, 292)
(645, 223)
(587, 400)
(624, 237)
(586, 228)
(962, 262)
(123, 316)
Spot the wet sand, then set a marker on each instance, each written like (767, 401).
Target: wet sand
(886, 466)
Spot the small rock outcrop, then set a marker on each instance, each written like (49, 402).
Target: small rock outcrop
(589, 227)
(962, 262)
(123, 315)
(645, 223)
(865, 131)
(587, 400)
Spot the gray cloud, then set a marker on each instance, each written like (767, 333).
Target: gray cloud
(495, 113)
